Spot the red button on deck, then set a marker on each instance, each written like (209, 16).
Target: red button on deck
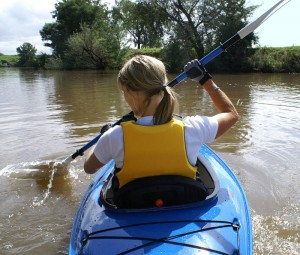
(159, 202)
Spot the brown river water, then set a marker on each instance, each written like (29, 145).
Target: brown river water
(46, 115)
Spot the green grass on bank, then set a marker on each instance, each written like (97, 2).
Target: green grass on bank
(10, 59)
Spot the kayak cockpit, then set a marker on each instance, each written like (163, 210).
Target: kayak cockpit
(161, 191)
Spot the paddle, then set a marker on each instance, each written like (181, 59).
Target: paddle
(206, 59)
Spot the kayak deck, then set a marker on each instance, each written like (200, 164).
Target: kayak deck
(220, 224)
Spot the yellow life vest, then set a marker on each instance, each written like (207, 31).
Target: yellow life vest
(154, 150)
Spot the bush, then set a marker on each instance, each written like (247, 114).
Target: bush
(54, 63)
(154, 52)
(173, 56)
(276, 60)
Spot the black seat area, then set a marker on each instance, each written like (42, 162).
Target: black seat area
(166, 190)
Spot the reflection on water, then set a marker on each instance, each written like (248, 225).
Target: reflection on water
(46, 115)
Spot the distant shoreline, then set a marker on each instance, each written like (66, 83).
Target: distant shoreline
(262, 59)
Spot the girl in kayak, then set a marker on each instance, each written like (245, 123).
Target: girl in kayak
(157, 143)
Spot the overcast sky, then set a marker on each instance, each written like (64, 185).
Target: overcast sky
(21, 21)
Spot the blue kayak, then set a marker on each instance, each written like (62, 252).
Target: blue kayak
(218, 223)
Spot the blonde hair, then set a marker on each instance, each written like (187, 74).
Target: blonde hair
(148, 75)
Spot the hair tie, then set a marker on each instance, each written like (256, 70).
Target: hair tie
(164, 86)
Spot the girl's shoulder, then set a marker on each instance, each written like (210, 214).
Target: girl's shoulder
(113, 133)
(204, 126)
(194, 119)
(201, 122)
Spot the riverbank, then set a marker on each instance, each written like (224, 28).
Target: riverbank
(261, 60)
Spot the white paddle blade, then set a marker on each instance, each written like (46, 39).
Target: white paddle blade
(67, 161)
(256, 23)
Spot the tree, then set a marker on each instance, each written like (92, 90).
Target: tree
(232, 19)
(142, 21)
(26, 53)
(53, 36)
(200, 22)
(69, 15)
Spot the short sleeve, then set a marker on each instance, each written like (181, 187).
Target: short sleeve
(110, 146)
(198, 131)
(201, 127)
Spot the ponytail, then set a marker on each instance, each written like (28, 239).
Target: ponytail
(164, 111)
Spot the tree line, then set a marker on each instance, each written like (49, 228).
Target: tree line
(91, 34)
(87, 33)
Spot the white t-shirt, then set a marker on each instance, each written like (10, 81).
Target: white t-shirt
(198, 130)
